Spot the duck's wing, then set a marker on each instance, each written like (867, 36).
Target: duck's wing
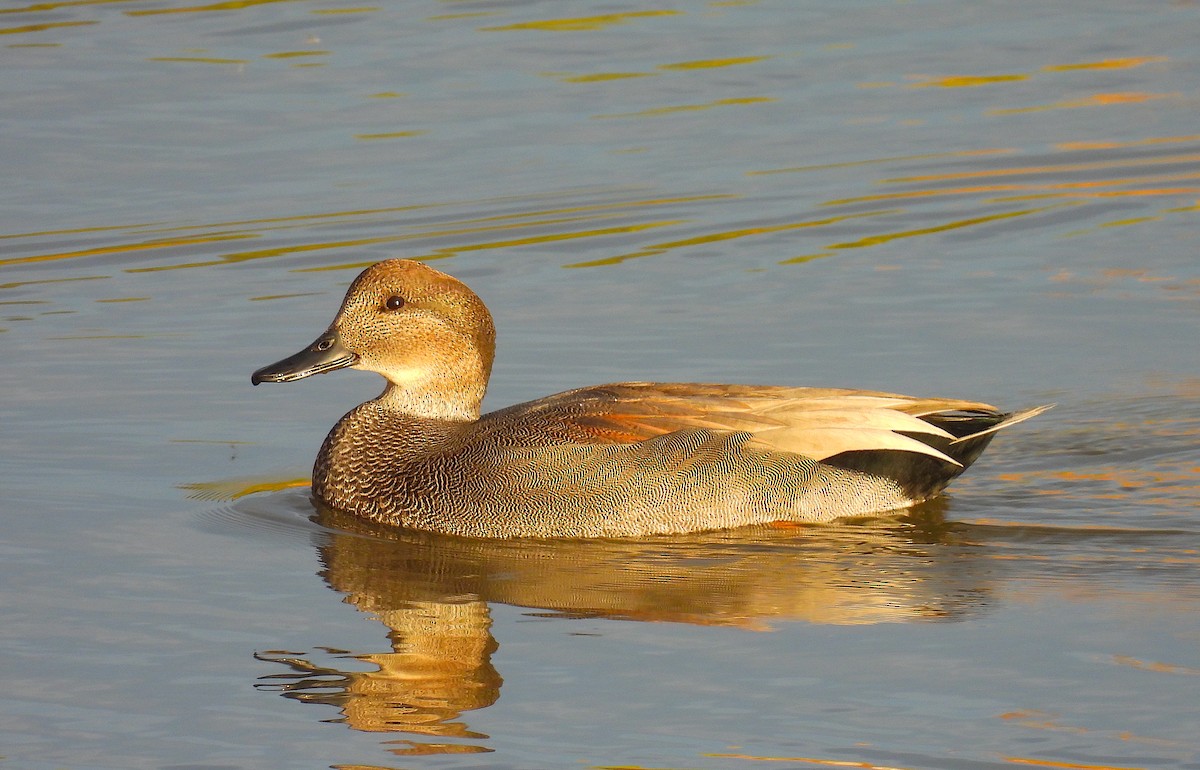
(818, 423)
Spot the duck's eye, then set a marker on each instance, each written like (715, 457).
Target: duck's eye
(394, 303)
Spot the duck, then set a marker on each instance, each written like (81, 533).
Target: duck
(626, 459)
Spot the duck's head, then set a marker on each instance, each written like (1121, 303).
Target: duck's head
(426, 332)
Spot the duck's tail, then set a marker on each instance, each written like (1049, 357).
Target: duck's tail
(922, 476)
(1005, 420)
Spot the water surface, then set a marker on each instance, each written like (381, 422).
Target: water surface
(992, 201)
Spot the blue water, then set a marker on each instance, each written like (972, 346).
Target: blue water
(993, 201)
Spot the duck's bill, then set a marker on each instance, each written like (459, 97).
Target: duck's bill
(324, 355)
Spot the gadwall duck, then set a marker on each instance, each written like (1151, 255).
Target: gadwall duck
(619, 460)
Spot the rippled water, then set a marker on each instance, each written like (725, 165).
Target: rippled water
(994, 201)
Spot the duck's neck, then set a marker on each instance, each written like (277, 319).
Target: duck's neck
(436, 396)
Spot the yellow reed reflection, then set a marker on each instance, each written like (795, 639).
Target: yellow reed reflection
(51, 5)
(229, 5)
(580, 24)
(124, 248)
(875, 240)
(43, 27)
(658, 111)
(974, 81)
(1105, 64)
(1034, 719)
(1096, 100)
(701, 64)
(660, 248)
(18, 284)
(197, 59)
(1064, 765)
(601, 77)
(805, 760)
(1112, 145)
(457, 16)
(295, 54)
(881, 160)
(1156, 666)
(1051, 168)
(538, 220)
(713, 63)
(967, 81)
(991, 184)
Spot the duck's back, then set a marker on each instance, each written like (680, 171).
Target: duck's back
(639, 458)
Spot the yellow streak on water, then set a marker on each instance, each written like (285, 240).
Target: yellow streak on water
(1105, 64)
(197, 59)
(18, 284)
(40, 7)
(484, 224)
(294, 54)
(1040, 720)
(552, 238)
(1070, 765)
(1049, 168)
(1106, 194)
(711, 63)
(659, 248)
(1131, 221)
(580, 24)
(1029, 187)
(77, 230)
(875, 240)
(517, 220)
(230, 5)
(600, 77)
(1095, 100)
(457, 16)
(974, 81)
(657, 111)
(890, 159)
(968, 81)
(800, 260)
(1163, 668)
(127, 247)
(43, 27)
(811, 761)
(1112, 145)
(246, 256)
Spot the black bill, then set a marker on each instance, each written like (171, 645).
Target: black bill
(324, 355)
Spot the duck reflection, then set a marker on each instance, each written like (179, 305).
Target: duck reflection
(433, 592)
